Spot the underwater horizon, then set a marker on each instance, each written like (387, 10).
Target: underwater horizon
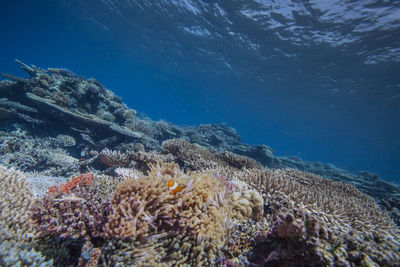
(313, 79)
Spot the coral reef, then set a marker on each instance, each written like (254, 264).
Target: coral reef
(45, 155)
(75, 210)
(59, 102)
(195, 157)
(257, 216)
(140, 222)
(17, 233)
(15, 204)
(139, 160)
(325, 221)
(237, 204)
(190, 227)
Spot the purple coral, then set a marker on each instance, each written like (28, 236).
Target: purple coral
(73, 215)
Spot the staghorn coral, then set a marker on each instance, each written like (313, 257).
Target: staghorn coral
(142, 126)
(237, 161)
(15, 204)
(321, 221)
(17, 234)
(151, 226)
(196, 157)
(127, 173)
(145, 159)
(112, 158)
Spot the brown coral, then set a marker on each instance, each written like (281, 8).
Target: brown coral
(140, 160)
(115, 158)
(90, 255)
(195, 157)
(319, 215)
(190, 227)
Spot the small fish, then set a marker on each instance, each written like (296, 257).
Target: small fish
(174, 187)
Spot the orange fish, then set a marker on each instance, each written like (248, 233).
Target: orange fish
(174, 187)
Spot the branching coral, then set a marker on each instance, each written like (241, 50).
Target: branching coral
(16, 232)
(196, 157)
(140, 160)
(142, 126)
(74, 211)
(330, 222)
(15, 204)
(279, 216)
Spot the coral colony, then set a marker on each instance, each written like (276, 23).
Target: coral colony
(86, 181)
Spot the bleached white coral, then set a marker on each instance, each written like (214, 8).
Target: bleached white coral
(128, 173)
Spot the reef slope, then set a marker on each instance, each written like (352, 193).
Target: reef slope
(89, 186)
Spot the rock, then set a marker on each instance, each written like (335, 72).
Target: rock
(369, 176)
(13, 78)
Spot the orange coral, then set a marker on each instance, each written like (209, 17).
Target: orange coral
(83, 179)
(54, 189)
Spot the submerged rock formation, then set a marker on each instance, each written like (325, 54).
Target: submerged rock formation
(95, 186)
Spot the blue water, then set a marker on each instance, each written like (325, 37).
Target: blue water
(315, 79)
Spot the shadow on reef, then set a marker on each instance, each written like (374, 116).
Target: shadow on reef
(93, 190)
